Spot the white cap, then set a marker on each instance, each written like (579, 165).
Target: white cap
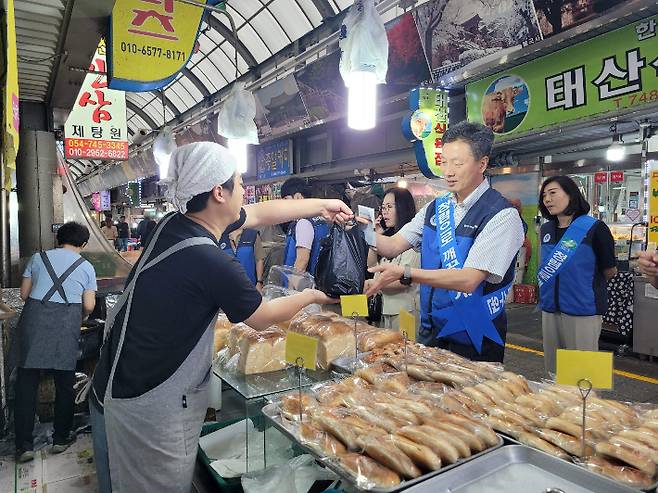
(197, 168)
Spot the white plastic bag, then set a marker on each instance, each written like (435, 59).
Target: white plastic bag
(236, 118)
(296, 476)
(363, 42)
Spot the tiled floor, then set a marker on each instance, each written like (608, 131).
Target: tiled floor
(73, 471)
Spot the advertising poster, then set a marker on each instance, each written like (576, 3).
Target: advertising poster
(455, 33)
(611, 72)
(556, 16)
(273, 159)
(523, 192)
(283, 107)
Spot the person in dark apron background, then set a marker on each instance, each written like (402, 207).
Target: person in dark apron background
(150, 390)
(59, 290)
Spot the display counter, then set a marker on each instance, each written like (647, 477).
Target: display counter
(645, 309)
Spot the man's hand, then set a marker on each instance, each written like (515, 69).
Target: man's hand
(336, 211)
(388, 273)
(648, 263)
(320, 298)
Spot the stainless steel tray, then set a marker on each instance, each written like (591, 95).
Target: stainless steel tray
(519, 469)
(270, 411)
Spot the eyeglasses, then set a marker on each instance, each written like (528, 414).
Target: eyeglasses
(387, 207)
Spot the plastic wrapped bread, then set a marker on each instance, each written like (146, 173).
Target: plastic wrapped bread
(222, 329)
(336, 336)
(257, 351)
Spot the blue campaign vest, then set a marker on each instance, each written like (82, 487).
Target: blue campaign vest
(445, 314)
(320, 231)
(577, 287)
(245, 252)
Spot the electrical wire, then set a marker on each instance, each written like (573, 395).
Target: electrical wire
(41, 60)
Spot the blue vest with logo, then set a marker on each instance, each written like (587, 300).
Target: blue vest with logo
(320, 231)
(434, 301)
(579, 288)
(245, 252)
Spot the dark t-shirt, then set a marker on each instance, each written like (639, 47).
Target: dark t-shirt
(124, 231)
(173, 304)
(603, 245)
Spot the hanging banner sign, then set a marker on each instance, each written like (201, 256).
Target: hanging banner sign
(151, 41)
(616, 176)
(96, 127)
(273, 159)
(425, 127)
(614, 71)
(653, 203)
(600, 177)
(10, 116)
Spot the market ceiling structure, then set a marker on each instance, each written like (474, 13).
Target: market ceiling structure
(54, 51)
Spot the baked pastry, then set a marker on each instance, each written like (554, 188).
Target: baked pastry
(367, 471)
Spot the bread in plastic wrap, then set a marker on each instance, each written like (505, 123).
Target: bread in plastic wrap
(335, 336)
(257, 351)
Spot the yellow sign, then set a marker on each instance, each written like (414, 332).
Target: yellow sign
(304, 347)
(408, 325)
(354, 305)
(653, 203)
(10, 117)
(595, 366)
(151, 41)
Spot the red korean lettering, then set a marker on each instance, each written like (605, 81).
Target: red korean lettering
(99, 113)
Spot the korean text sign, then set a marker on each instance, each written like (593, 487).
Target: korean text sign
(96, 127)
(151, 41)
(610, 72)
(273, 159)
(425, 127)
(653, 203)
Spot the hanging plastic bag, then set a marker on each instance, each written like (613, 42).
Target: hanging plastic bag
(342, 263)
(363, 42)
(236, 118)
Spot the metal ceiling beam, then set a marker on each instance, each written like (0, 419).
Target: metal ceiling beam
(324, 8)
(168, 102)
(141, 113)
(196, 81)
(226, 33)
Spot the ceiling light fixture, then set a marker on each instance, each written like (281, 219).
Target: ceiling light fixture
(616, 151)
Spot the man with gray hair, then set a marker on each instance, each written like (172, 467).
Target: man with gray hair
(469, 239)
(150, 389)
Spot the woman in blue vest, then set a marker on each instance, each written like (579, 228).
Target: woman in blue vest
(577, 260)
(59, 289)
(468, 239)
(246, 246)
(304, 236)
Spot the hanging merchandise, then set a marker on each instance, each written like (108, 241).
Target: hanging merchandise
(363, 62)
(342, 263)
(163, 147)
(236, 123)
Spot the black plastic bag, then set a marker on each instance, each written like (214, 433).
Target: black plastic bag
(342, 262)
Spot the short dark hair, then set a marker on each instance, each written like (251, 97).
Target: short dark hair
(199, 201)
(122, 217)
(405, 208)
(479, 137)
(72, 233)
(578, 205)
(295, 185)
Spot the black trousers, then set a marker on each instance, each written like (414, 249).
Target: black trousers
(27, 385)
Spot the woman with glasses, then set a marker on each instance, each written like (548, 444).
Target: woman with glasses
(398, 208)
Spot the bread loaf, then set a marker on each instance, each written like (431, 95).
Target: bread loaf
(262, 351)
(420, 454)
(367, 471)
(446, 451)
(541, 444)
(320, 441)
(384, 451)
(624, 474)
(627, 455)
(566, 442)
(335, 335)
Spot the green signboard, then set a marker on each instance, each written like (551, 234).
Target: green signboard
(610, 72)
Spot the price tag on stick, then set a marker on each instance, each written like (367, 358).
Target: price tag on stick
(594, 366)
(355, 305)
(301, 348)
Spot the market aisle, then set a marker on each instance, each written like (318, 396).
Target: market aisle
(69, 472)
(635, 380)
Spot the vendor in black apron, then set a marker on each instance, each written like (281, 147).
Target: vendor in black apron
(59, 289)
(468, 240)
(152, 381)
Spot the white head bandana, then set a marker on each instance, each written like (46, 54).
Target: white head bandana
(197, 168)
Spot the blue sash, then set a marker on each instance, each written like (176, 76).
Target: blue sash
(564, 250)
(471, 313)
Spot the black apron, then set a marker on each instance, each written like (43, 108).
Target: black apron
(48, 332)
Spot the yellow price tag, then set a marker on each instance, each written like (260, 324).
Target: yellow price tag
(408, 325)
(595, 366)
(304, 347)
(356, 304)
